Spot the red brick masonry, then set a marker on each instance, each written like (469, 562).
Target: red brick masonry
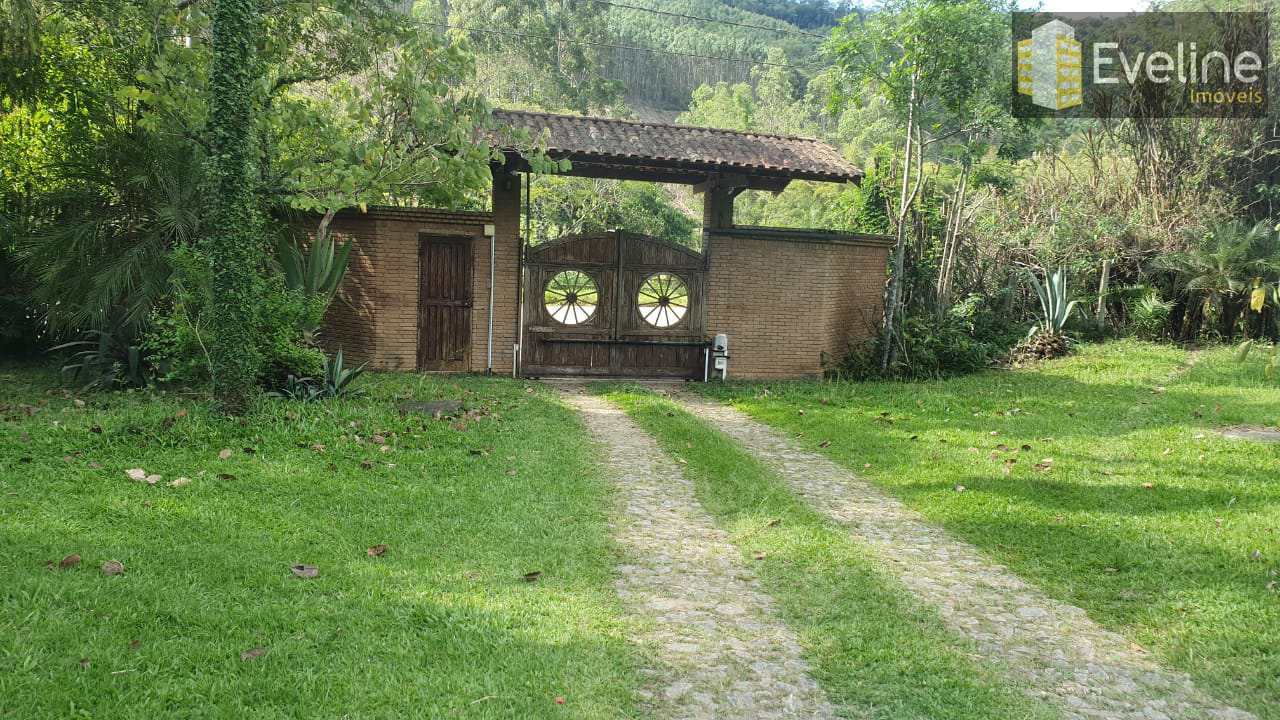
(785, 298)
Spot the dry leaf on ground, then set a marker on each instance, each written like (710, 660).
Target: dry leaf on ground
(305, 571)
(112, 567)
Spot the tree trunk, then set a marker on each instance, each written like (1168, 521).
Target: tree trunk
(892, 296)
(951, 244)
(233, 248)
(1102, 294)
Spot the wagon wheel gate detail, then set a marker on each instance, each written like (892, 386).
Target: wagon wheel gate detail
(613, 304)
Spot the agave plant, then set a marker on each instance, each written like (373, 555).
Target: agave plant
(336, 382)
(1055, 309)
(338, 378)
(316, 271)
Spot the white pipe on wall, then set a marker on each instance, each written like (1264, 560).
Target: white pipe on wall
(489, 230)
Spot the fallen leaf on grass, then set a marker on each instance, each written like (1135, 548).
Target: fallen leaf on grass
(959, 488)
(318, 447)
(152, 479)
(824, 443)
(95, 465)
(134, 644)
(379, 439)
(511, 472)
(253, 654)
(136, 474)
(78, 403)
(226, 476)
(1148, 486)
(181, 413)
(96, 429)
(224, 453)
(84, 663)
(112, 567)
(1044, 465)
(376, 551)
(305, 571)
(531, 576)
(758, 555)
(179, 482)
(366, 464)
(69, 561)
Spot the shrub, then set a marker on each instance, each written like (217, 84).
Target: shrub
(1149, 316)
(968, 337)
(107, 360)
(335, 381)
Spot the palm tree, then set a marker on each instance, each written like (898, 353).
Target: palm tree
(1217, 272)
(100, 251)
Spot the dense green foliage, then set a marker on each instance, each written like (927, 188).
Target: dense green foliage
(106, 130)
(147, 176)
(233, 244)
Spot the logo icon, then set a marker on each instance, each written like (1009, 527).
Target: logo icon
(1049, 66)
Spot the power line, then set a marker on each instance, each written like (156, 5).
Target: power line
(614, 46)
(795, 31)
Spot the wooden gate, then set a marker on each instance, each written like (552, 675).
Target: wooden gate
(444, 302)
(614, 303)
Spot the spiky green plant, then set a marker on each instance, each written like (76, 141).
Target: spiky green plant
(1055, 308)
(107, 360)
(316, 270)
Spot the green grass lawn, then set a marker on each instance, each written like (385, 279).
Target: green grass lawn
(870, 646)
(442, 625)
(1145, 517)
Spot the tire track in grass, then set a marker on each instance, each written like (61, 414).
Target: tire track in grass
(721, 653)
(876, 652)
(1088, 671)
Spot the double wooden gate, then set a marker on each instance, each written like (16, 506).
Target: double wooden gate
(614, 303)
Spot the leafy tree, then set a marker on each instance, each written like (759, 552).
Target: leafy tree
(553, 50)
(570, 205)
(932, 60)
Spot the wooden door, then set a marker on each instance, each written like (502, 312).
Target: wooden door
(444, 302)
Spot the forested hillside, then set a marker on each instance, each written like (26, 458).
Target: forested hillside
(651, 53)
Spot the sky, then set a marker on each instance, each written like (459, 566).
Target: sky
(1087, 5)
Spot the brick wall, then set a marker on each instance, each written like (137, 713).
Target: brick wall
(784, 303)
(375, 317)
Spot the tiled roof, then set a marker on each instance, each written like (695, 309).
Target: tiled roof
(682, 147)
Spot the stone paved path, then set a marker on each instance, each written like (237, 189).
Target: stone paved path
(1063, 656)
(723, 655)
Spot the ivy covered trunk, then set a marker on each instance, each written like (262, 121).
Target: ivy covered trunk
(234, 243)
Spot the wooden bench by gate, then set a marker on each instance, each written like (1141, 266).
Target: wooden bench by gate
(614, 303)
